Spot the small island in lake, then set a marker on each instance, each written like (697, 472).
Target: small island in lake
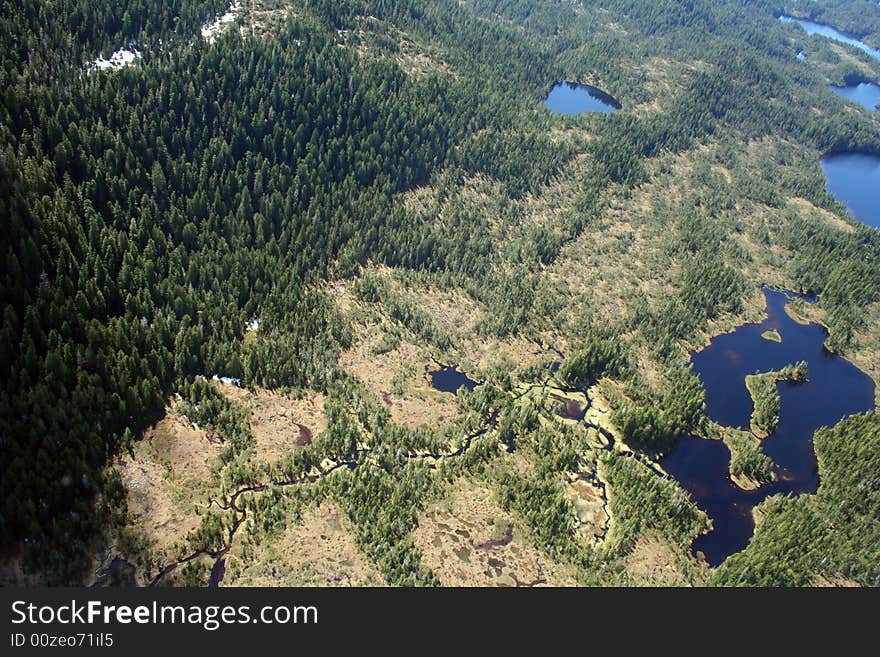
(772, 335)
(762, 388)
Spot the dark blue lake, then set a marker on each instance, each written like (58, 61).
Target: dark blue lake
(450, 379)
(568, 98)
(854, 179)
(866, 94)
(836, 389)
(830, 33)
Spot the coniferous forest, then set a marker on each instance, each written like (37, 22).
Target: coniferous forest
(373, 179)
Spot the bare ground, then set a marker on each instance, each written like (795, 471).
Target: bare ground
(468, 540)
(168, 476)
(319, 551)
(652, 562)
(279, 422)
(588, 501)
(398, 379)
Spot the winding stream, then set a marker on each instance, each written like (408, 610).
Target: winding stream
(836, 389)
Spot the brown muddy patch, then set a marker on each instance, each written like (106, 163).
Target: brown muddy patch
(652, 562)
(398, 378)
(171, 469)
(280, 422)
(838, 581)
(181, 446)
(588, 501)
(319, 551)
(468, 540)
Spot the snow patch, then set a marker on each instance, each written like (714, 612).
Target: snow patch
(119, 59)
(227, 379)
(211, 30)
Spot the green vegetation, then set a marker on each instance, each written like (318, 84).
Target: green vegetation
(548, 515)
(158, 240)
(653, 420)
(765, 396)
(152, 213)
(748, 464)
(204, 405)
(523, 163)
(834, 533)
(596, 358)
(772, 335)
(634, 488)
(371, 288)
(857, 18)
(539, 499)
(840, 267)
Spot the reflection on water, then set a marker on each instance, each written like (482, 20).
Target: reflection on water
(568, 98)
(866, 94)
(830, 33)
(854, 179)
(836, 389)
(449, 379)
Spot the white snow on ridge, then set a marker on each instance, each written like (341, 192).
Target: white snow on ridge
(211, 30)
(129, 56)
(119, 59)
(227, 379)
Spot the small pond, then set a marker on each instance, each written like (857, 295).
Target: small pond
(449, 378)
(569, 98)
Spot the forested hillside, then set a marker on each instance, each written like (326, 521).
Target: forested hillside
(154, 212)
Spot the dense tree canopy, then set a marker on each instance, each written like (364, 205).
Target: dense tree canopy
(151, 213)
